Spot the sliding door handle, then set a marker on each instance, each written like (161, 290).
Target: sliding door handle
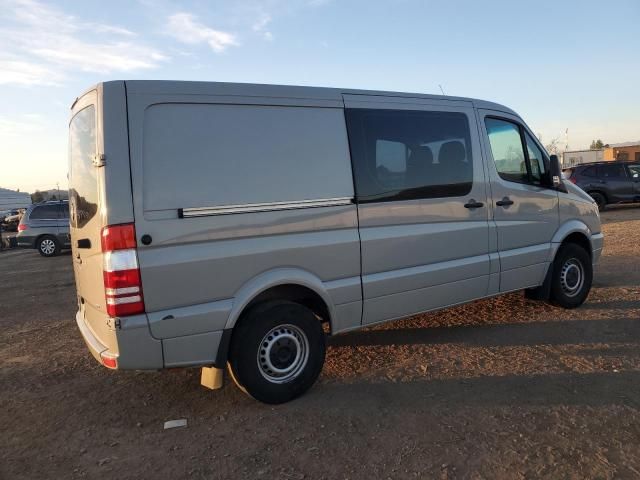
(473, 204)
(505, 202)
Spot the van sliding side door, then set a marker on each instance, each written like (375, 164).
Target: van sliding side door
(422, 203)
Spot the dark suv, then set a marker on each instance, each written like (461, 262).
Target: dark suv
(45, 226)
(607, 182)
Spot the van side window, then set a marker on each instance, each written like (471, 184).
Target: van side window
(45, 212)
(513, 162)
(538, 170)
(506, 147)
(406, 154)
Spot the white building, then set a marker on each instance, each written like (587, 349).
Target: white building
(576, 157)
(10, 199)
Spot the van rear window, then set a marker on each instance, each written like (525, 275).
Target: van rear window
(83, 191)
(210, 155)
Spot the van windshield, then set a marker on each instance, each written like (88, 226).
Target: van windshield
(83, 186)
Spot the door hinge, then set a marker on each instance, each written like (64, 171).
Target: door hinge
(99, 159)
(114, 323)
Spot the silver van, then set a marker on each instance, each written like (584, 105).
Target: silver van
(218, 224)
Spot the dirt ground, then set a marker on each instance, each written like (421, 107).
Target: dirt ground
(501, 388)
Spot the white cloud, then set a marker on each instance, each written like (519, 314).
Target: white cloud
(40, 45)
(21, 125)
(185, 28)
(260, 26)
(112, 29)
(27, 73)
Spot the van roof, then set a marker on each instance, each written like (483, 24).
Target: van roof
(267, 90)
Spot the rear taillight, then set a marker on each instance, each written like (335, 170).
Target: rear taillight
(108, 360)
(122, 285)
(22, 227)
(572, 180)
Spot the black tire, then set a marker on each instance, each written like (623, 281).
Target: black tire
(277, 334)
(572, 276)
(48, 246)
(600, 200)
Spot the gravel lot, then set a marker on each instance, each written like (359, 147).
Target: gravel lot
(501, 388)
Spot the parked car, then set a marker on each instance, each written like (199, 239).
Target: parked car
(218, 224)
(45, 227)
(12, 220)
(607, 182)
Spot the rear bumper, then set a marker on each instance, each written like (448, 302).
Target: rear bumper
(137, 349)
(25, 241)
(597, 243)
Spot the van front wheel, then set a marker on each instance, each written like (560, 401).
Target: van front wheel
(277, 351)
(572, 276)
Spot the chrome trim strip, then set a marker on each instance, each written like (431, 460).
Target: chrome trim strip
(264, 207)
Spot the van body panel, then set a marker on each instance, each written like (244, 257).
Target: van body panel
(202, 272)
(525, 228)
(381, 309)
(334, 294)
(407, 244)
(190, 320)
(193, 152)
(200, 349)
(117, 174)
(137, 349)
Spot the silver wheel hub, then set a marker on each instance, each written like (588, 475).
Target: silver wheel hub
(572, 277)
(47, 246)
(283, 353)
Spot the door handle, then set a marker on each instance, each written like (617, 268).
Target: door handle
(473, 204)
(505, 202)
(84, 243)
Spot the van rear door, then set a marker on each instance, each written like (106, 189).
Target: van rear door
(84, 209)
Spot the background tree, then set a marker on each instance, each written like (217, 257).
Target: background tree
(37, 197)
(554, 146)
(596, 144)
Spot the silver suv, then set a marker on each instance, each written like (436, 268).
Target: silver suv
(45, 227)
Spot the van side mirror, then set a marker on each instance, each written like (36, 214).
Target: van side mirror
(555, 171)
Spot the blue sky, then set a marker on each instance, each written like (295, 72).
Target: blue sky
(560, 64)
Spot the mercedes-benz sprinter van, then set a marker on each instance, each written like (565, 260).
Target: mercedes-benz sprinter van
(218, 224)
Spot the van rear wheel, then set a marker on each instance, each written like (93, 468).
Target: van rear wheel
(277, 351)
(572, 276)
(48, 246)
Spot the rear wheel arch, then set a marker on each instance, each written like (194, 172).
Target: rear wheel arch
(288, 284)
(293, 293)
